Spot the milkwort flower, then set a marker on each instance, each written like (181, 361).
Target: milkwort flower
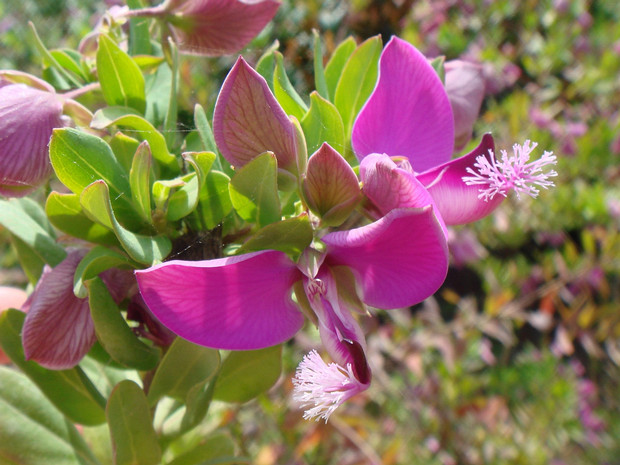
(29, 110)
(58, 330)
(258, 299)
(420, 137)
(246, 302)
(212, 27)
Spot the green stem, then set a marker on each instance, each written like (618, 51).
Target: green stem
(48, 56)
(90, 387)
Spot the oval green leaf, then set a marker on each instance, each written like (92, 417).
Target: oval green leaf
(129, 418)
(114, 333)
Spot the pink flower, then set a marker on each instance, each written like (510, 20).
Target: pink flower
(29, 110)
(58, 330)
(27, 117)
(10, 297)
(213, 27)
(246, 302)
(248, 120)
(409, 117)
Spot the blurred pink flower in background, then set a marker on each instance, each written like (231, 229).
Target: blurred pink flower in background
(213, 27)
(10, 297)
(465, 86)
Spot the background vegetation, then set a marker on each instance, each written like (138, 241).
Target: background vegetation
(516, 359)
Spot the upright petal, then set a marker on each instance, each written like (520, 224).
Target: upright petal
(398, 260)
(27, 118)
(248, 120)
(238, 303)
(388, 187)
(58, 330)
(459, 203)
(218, 27)
(408, 113)
(465, 86)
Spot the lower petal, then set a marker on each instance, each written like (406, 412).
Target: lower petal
(58, 330)
(237, 303)
(398, 260)
(458, 202)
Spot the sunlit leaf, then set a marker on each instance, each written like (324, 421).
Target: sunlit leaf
(129, 418)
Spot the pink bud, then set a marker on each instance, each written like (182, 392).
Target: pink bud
(27, 118)
(213, 27)
(465, 86)
(330, 186)
(10, 297)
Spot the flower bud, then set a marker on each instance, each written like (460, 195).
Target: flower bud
(27, 118)
(330, 186)
(213, 27)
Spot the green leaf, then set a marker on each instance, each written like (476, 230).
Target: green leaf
(206, 133)
(32, 430)
(144, 130)
(217, 449)
(69, 64)
(106, 375)
(284, 91)
(323, 123)
(246, 374)
(97, 260)
(64, 388)
(438, 66)
(124, 148)
(80, 158)
(184, 366)
(335, 65)
(357, 81)
(267, 62)
(65, 213)
(49, 59)
(158, 87)
(139, 34)
(319, 71)
(31, 263)
(254, 190)
(197, 404)
(215, 201)
(95, 200)
(121, 80)
(185, 199)
(28, 230)
(170, 122)
(133, 437)
(140, 181)
(290, 236)
(114, 333)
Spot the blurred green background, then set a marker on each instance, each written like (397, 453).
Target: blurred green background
(516, 359)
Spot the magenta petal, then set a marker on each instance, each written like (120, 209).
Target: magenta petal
(248, 120)
(238, 303)
(219, 27)
(389, 186)
(58, 330)
(399, 260)
(27, 117)
(408, 113)
(457, 202)
(340, 333)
